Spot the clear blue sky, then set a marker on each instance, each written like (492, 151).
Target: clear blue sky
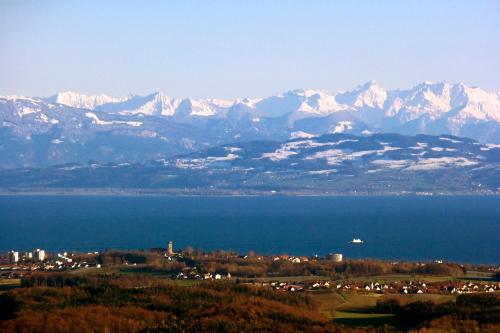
(243, 48)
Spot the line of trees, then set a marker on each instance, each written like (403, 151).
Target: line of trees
(206, 307)
(255, 266)
(476, 310)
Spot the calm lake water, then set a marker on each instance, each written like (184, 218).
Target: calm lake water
(457, 228)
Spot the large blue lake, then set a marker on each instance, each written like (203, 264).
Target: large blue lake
(457, 228)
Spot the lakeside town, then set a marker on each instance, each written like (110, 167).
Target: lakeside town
(191, 265)
(321, 293)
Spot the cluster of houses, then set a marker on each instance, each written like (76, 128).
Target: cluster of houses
(296, 260)
(470, 287)
(457, 287)
(17, 265)
(286, 286)
(405, 287)
(337, 257)
(192, 274)
(67, 261)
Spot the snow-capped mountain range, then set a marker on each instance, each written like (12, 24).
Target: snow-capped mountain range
(73, 127)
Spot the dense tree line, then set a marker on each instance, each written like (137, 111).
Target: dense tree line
(54, 280)
(475, 310)
(117, 307)
(256, 266)
(245, 267)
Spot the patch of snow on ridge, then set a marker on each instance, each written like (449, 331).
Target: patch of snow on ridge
(306, 144)
(27, 110)
(189, 164)
(450, 140)
(301, 135)
(121, 165)
(332, 156)
(425, 164)
(290, 148)
(374, 170)
(341, 127)
(232, 149)
(200, 163)
(43, 118)
(377, 151)
(344, 141)
(336, 156)
(228, 157)
(440, 163)
(70, 168)
(392, 164)
(490, 146)
(322, 172)
(279, 154)
(442, 149)
(97, 121)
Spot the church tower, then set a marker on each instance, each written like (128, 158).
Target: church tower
(170, 248)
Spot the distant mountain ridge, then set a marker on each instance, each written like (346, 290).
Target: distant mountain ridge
(328, 164)
(73, 127)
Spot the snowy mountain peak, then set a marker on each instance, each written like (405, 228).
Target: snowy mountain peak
(82, 101)
(370, 85)
(457, 102)
(156, 104)
(306, 93)
(159, 96)
(370, 94)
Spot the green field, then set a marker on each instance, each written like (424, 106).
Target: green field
(288, 278)
(475, 275)
(357, 309)
(350, 308)
(7, 284)
(363, 319)
(403, 277)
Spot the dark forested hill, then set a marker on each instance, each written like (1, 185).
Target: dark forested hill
(332, 163)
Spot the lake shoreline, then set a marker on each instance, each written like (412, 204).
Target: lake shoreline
(221, 193)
